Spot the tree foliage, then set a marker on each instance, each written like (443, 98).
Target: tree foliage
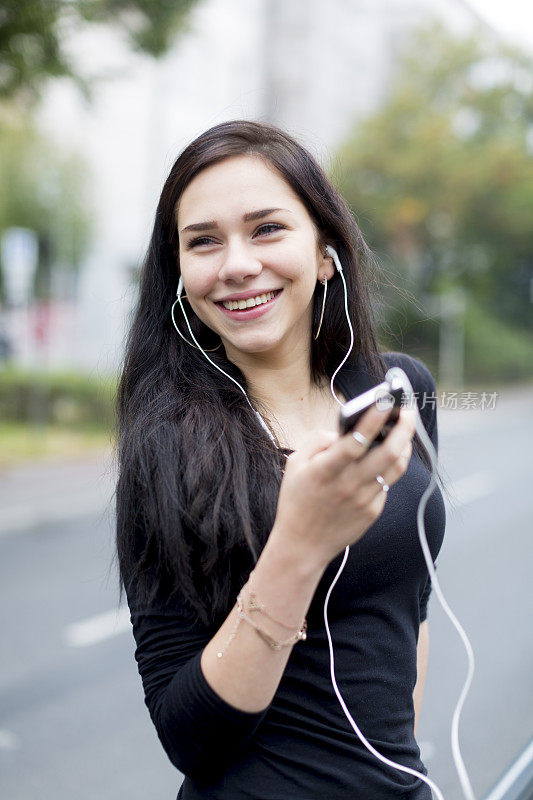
(42, 188)
(33, 35)
(441, 177)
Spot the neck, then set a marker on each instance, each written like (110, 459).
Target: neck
(280, 383)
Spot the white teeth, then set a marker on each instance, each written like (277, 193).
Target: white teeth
(231, 305)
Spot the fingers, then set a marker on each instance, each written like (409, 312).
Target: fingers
(391, 458)
(394, 472)
(383, 466)
(347, 449)
(347, 459)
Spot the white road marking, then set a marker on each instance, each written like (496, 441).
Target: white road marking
(427, 751)
(8, 740)
(97, 629)
(509, 779)
(473, 487)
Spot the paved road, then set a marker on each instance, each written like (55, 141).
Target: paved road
(72, 718)
(485, 573)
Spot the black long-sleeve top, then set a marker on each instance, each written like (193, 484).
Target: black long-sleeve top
(302, 746)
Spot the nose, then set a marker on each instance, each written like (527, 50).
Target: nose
(238, 264)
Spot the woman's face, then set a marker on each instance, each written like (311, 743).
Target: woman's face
(249, 256)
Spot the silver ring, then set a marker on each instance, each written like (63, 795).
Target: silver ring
(380, 479)
(360, 438)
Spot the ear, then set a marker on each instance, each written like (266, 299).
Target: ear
(326, 267)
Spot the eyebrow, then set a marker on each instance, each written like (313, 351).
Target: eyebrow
(249, 217)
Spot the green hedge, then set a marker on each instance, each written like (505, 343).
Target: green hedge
(73, 400)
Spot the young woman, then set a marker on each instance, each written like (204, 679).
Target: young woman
(237, 497)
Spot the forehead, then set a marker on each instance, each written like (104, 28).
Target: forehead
(232, 187)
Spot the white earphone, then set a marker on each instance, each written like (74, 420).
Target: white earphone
(398, 375)
(197, 344)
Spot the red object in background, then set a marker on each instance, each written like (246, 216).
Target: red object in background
(41, 319)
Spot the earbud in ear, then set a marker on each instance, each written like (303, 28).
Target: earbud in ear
(333, 253)
(180, 287)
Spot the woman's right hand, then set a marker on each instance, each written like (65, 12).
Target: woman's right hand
(329, 496)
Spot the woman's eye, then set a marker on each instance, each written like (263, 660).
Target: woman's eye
(197, 241)
(267, 228)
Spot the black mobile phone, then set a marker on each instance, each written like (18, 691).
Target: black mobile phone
(384, 395)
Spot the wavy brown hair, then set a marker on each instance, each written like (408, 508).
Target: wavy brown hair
(198, 476)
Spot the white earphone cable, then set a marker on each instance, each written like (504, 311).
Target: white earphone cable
(333, 253)
(399, 374)
(396, 372)
(344, 707)
(257, 414)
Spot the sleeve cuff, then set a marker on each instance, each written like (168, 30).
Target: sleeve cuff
(213, 699)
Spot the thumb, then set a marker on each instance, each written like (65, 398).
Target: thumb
(316, 442)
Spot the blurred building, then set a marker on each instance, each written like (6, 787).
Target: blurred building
(313, 66)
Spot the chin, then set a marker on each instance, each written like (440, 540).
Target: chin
(259, 344)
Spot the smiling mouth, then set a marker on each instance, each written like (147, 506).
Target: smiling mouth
(252, 302)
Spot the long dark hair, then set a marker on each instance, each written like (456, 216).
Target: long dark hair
(198, 476)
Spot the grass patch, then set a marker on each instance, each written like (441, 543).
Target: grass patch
(22, 442)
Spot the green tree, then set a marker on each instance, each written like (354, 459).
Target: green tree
(441, 177)
(41, 187)
(33, 33)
